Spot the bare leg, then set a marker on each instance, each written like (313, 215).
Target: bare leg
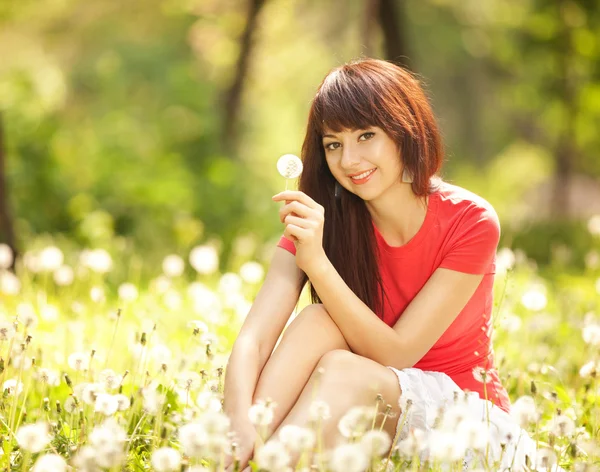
(311, 335)
(348, 380)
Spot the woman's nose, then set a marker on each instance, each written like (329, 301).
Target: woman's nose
(350, 157)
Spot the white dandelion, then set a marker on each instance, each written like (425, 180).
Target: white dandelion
(110, 379)
(48, 376)
(591, 334)
(524, 411)
(50, 463)
(6, 256)
(319, 411)
(252, 272)
(106, 404)
(50, 259)
(128, 292)
(272, 457)
(7, 330)
(63, 276)
(589, 369)
(594, 225)
(33, 437)
(356, 421)
(349, 458)
(562, 425)
(230, 283)
(12, 387)
(26, 315)
(261, 414)
(123, 402)
(173, 265)
(375, 443)
(97, 294)
(97, 260)
(166, 459)
(78, 361)
(204, 259)
(297, 438)
(289, 166)
(215, 423)
(535, 299)
(193, 439)
(9, 283)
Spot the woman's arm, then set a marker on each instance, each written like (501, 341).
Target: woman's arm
(259, 333)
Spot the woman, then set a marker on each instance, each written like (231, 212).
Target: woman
(401, 267)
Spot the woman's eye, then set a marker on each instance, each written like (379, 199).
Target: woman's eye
(332, 146)
(366, 136)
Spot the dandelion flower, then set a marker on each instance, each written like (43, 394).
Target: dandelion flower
(474, 433)
(50, 259)
(375, 443)
(10, 285)
(523, 411)
(12, 387)
(97, 294)
(319, 411)
(188, 380)
(215, 423)
(63, 276)
(348, 458)
(230, 283)
(252, 272)
(589, 369)
(594, 225)
(6, 256)
(123, 402)
(173, 265)
(297, 438)
(78, 361)
(106, 404)
(108, 440)
(356, 421)
(413, 444)
(110, 379)
(50, 463)
(7, 330)
(481, 374)
(128, 292)
(70, 404)
(289, 166)
(207, 400)
(172, 300)
(85, 460)
(260, 414)
(591, 334)
(546, 458)
(193, 439)
(33, 437)
(562, 425)
(446, 446)
(505, 259)
(272, 456)
(97, 260)
(48, 376)
(204, 259)
(534, 299)
(26, 315)
(166, 459)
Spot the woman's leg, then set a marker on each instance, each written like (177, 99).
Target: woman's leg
(348, 380)
(308, 337)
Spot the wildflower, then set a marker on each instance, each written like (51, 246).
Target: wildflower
(22, 362)
(375, 443)
(128, 292)
(207, 400)
(26, 315)
(202, 297)
(505, 259)
(188, 380)
(289, 166)
(594, 225)
(97, 294)
(272, 456)
(50, 463)
(48, 376)
(6, 256)
(252, 272)
(78, 361)
(31, 262)
(356, 421)
(70, 404)
(110, 379)
(33, 437)
(166, 459)
(9, 283)
(297, 438)
(108, 439)
(474, 433)
(7, 330)
(85, 460)
(50, 259)
(319, 411)
(546, 458)
(454, 415)
(49, 313)
(63, 276)
(98, 260)
(348, 458)
(562, 425)
(12, 387)
(204, 259)
(215, 423)
(123, 402)
(510, 323)
(161, 354)
(193, 439)
(534, 299)
(89, 392)
(481, 374)
(591, 334)
(106, 404)
(446, 446)
(589, 369)
(523, 411)
(160, 284)
(261, 414)
(230, 283)
(413, 444)
(173, 265)
(172, 300)
(209, 339)
(153, 400)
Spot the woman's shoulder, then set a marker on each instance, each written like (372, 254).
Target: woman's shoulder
(454, 198)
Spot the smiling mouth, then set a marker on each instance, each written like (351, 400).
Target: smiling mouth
(363, 175)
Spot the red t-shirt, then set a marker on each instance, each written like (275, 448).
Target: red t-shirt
(460, 232)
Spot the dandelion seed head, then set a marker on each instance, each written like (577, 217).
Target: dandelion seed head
(272, 456)
(78, 361)
(63, 276)
(230, 283)
(193, 439)
(591, 334)
(475, 434)
(173, 265)
(160, 284)
(252, 272)
(593, 225)
(85, 460)
(289, 166)
(319, 411)
(7, 330)
(128, 292)
(6, 256)
(546, 458)
(97, 294)
(481, 374)
(50, 258)
(50, 463)
(215, 423)
(110, 379)
(445, 446)
(188, 380)
(48, 376)
(524, 411)
(348, 458)
(297, 438)
(26, 315)
(70, 404)
(204, 259)
(12, 387)
(534, 298)
(166, 459)
(97, 260)
(261, 414)
(106, 404)
(589, 369)
(562, 425)
(207, 400)
(413, 444)
(33, 437)
(49, 313)
(9, 283)
(123, 402)
(375, 443)
(505, 259)
(356, 421)
(172, 300)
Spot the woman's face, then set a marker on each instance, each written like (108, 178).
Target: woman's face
(365, 162)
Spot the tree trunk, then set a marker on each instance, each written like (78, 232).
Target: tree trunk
(233, 98)
(7, 234)
(393, 26)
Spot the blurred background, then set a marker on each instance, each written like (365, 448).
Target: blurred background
(147, 128)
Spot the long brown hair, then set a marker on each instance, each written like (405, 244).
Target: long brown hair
(364, 93)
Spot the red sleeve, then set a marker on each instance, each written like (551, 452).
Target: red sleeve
(286, 244)
(472, 246)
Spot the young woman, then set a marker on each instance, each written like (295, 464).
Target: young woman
(401, 268)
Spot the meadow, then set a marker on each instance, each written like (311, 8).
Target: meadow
(104, 369)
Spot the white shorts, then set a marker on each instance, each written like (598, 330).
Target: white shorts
(431, 394)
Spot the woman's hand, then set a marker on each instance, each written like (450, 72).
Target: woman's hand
(304, 219)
